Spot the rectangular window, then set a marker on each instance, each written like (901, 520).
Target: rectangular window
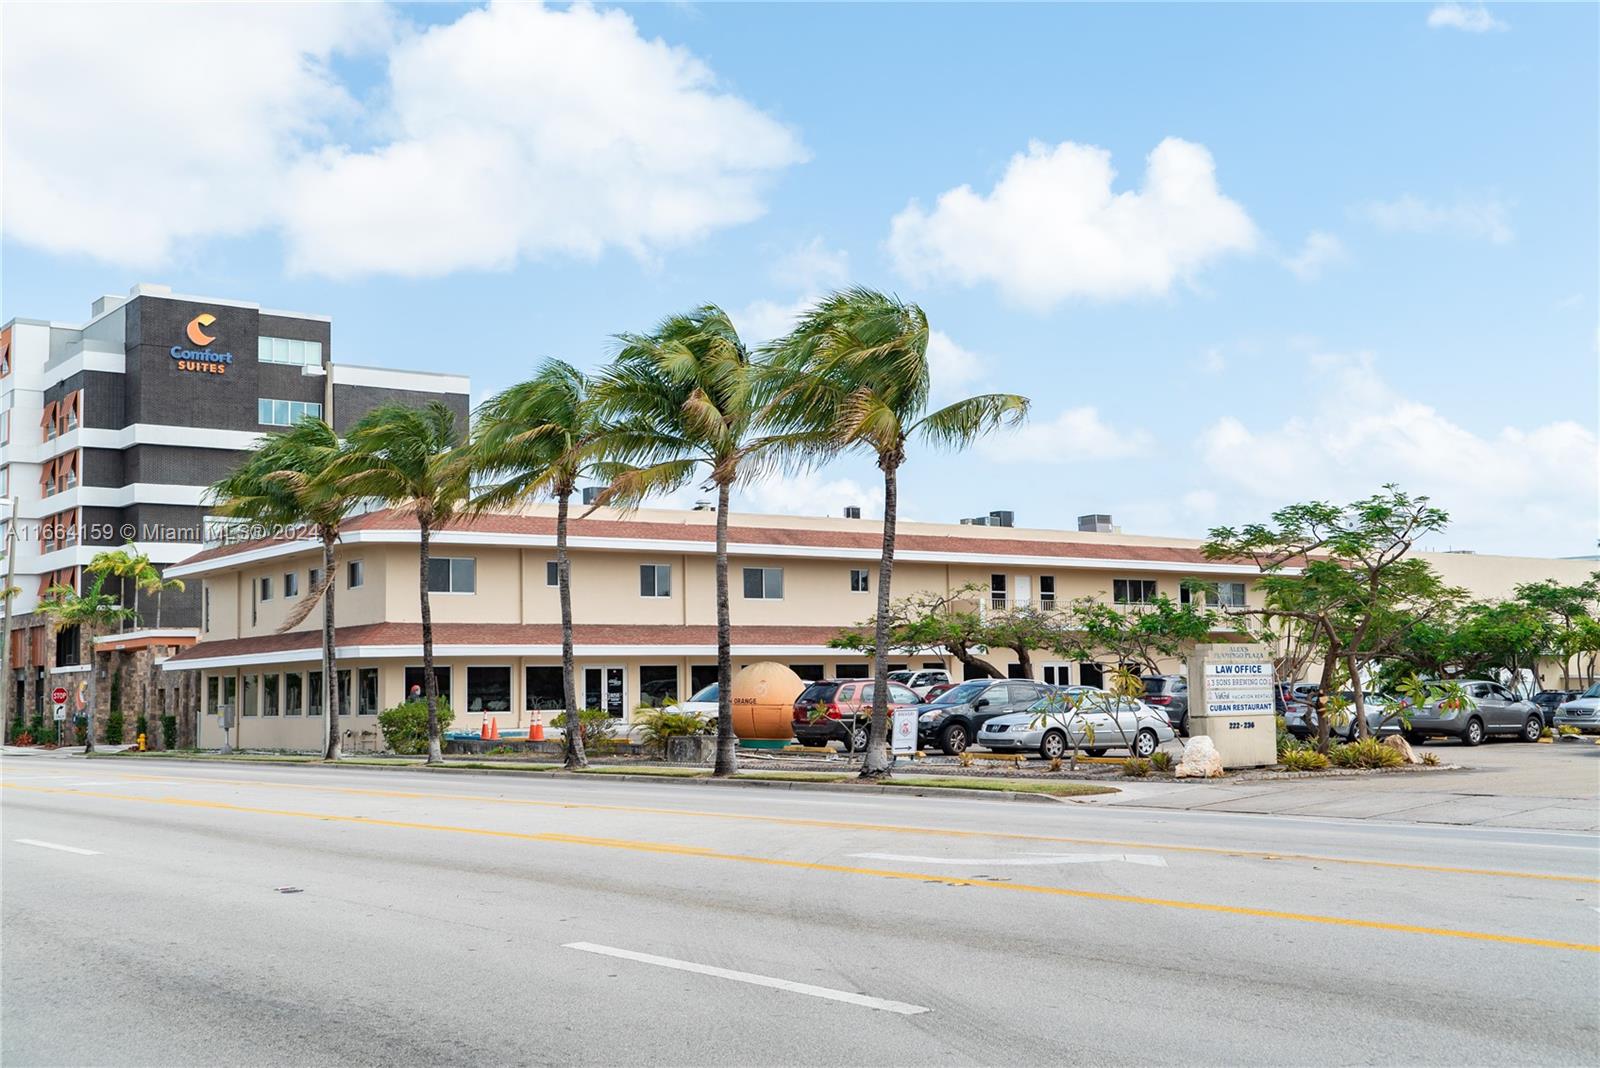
(293, 695)
(658, 685)
(266, 587)
(1231, 594)
(252, 695)
(5, 427)
(313, 578)
(230, 691)
(314, 693)
(355, 574)
(270, 412)
(997, 592)
(552, 573)
(269, 695)
(452, 574)
(655, 580)
(850, 671)
(544, 692)
(211, 696)
(488, 689)
(205, 597)
(1047, 591)
(289, 351)
(701, 676)
(809, 672)
(368, 692)
(291, 583)
(859, 582)
(763, 583)
(415, 679)
(1133, 591)
(343, 695)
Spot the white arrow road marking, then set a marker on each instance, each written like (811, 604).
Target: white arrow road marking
(1026, 860)
(63, 848)
(755, 980)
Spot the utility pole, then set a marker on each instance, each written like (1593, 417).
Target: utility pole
(6, 688)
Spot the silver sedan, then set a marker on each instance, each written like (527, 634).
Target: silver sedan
(1094, 722)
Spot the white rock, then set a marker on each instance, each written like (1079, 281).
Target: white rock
(1394, 741)
(1200, 760)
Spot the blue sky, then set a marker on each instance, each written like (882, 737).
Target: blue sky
(1366, 250)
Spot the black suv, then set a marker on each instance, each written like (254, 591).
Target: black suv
(951, 721)
(1169, 695)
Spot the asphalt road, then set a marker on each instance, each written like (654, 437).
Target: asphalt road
(485, 920)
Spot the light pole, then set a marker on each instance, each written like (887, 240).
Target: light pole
(6, 595)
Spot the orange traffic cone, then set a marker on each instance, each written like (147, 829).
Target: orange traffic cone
(494, 729)
(536, 728)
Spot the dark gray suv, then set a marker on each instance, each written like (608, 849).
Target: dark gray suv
(1169, 695)
(952, 720)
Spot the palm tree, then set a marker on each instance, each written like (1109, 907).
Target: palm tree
(158, 585)
(541, 436)
(90, 612)
(116, 563)
(282, 486)
(855, 368)
(684, 402)
(414, 459)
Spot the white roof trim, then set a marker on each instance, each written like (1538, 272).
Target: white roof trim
(412, 652)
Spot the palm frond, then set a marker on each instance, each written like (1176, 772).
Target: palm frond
(957, 425)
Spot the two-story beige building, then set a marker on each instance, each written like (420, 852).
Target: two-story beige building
(644, 610)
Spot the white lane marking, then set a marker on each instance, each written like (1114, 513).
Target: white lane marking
(1026, 860)
(756, 980)
(63, 848)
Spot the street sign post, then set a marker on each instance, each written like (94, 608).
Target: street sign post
(59, 695)
(905, 729)
(60, 712)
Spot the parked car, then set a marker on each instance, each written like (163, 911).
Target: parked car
(702, 703)
(1549, 700)
(1103, 722)
(1582, 711)
(951, 723)
(1493, 710)
(1382, 717)
(1288, 694)
(1170, 693)
(935, 692)
(841, 710)
(922, 680)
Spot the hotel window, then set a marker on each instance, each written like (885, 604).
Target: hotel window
(368, 692)
(289, 351)
(291, 583)
(355, 574)
(763, 583)
(997, 592)
(552, 573)
(488, 689)
(1133, 591)
(269, 695)
(266, 587)
(270, 412)
(452, 574)
(293, 695)
(252, 694)
(314, 693)
(655, 580)
(859, 580)
(1047, 591)
(47, 422)
(69, 410)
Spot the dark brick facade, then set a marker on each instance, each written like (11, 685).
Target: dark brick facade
(350, 403)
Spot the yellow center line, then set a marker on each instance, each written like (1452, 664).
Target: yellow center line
(840, 869)
(892, 828)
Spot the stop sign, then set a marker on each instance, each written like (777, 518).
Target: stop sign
(59, 695)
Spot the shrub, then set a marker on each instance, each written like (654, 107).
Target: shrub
(1367, 753)
(142, 726)
(964, 758)
(597, 727)
(1299, 759)
(1569, 731)
(1136, 767)
(114, 727)
(660, 725)
(1431, 759)
(169, 732)
(405, 726)
(22, 737)
(1161, 760)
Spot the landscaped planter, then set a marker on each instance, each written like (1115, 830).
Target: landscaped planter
(692, 749)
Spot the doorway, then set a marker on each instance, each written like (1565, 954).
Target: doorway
(605, 687)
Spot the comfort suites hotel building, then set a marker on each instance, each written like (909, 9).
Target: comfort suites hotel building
(112, 429)
(643, 605)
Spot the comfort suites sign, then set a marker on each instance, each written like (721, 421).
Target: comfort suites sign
(200, 358)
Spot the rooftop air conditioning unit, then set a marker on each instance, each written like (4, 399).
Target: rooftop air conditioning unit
(1096, 524)
(1002, 519)
(592, 493)
(852, 511)
(704, 506)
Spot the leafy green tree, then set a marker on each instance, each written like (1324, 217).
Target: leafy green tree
(541, 437)
(931, 623)
(1025, 628)
(157, 584)
(1345, 571)
(92, 612)
(414, 459)
(855, 372)
(1138, 635)
(285, 485)
(1568, 609)
(684, 403)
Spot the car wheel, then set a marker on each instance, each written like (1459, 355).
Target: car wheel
(1532, 729)
(1473, 734)
(857, 741)
(1096, 752)
(1183, 726)
(1145, 743)
(953, 739)
(1053, 745)
(1413, 738)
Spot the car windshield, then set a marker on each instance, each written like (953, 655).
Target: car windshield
(1593, 691)
(967, 691)
(901, 676)
(818, 691)
(706, 695)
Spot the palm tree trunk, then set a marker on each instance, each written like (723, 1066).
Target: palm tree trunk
(158, 608)
(86, 635)
(430, 684)
(727, 755)
(332, 745)
(575, 756)
(875, 761)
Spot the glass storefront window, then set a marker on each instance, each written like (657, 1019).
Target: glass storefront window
(488, 689)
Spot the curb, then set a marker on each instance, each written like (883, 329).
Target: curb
(770, 784)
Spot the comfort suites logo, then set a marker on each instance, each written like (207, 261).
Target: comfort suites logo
(201, 359)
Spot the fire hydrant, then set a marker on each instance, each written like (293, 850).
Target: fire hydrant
(141, 743)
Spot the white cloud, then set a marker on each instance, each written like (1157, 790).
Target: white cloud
(1053, 228)
(132, 130)
(1076, 434)
(951, 368)
(1504, 486)
(514, 132)
(809, 493)
(1473, 18)
(812, 266)
(763, 320)
(1320, 250)
(1483, 218)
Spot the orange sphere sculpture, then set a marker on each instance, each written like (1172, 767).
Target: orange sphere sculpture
(763, 698)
